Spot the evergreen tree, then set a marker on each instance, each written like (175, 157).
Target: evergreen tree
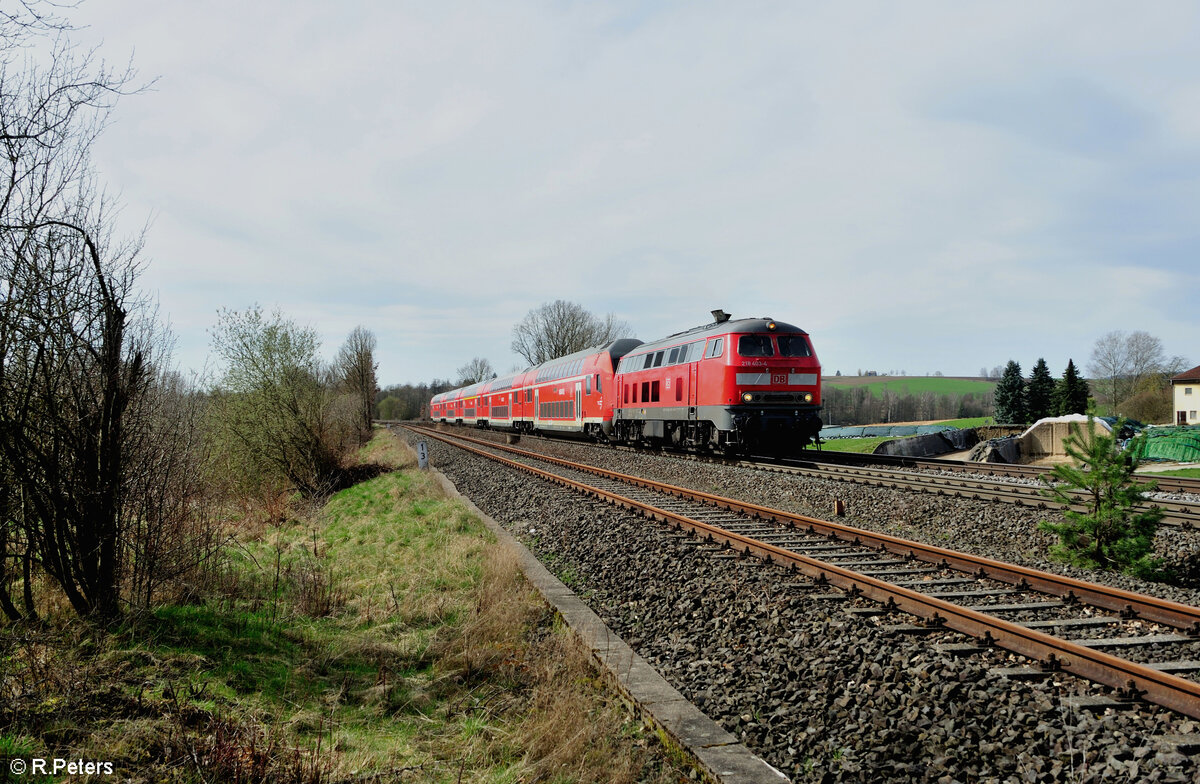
(1116, 531)
(1039, 396)
(1071, 392)
(1010, 396)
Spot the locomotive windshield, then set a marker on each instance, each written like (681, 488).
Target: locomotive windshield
(793, 346)
(755, 346)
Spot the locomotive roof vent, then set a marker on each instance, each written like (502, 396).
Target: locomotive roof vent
(720, 315)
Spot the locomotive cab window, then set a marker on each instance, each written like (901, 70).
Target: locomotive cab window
(793, 346)
(755, 346)
(715, 348)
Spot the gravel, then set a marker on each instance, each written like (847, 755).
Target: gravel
(821, 694)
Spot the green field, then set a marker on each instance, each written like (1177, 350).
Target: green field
(912, 385)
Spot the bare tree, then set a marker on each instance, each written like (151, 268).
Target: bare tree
(478, 369)
(1122, 362)
(559, 328)
(356, 364)
(76, 344)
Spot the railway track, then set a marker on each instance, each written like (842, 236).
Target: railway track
(863, 470)
(1166, 484)
(1067, 624)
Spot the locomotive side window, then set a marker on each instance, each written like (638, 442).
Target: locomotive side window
(598, 389)
(715, 348)
(649, 361)
(674, 355)
(658, 359)
(793, 346)
(755, 346)
(587, 384)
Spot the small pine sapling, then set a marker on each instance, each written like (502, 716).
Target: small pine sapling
(1113, 532)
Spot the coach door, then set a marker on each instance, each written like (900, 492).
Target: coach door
(537, 408)
(578, 402)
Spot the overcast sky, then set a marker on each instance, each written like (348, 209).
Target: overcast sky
(922, 186)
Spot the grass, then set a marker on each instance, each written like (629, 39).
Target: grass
(912, 385)
(386, 634)
(1189, 473)
(859, 445)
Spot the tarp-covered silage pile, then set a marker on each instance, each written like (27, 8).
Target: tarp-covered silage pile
(1180, 443)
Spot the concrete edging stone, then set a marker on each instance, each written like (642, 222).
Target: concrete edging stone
(716, 753)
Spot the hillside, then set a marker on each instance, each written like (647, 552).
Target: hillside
(912, 385)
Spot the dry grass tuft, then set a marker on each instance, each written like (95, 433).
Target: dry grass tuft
(557, 714)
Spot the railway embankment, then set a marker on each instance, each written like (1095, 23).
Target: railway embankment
(821, 690)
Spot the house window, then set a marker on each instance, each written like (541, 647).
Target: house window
(1187, 390)
(1191, 415)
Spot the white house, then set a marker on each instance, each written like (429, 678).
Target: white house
(1187, 396)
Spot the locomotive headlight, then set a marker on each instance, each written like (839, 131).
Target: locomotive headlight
(771, 326)
(808, 397)
(747, 397)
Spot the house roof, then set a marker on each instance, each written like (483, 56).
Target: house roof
(1187, 375)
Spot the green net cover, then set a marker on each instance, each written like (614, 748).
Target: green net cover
(1180, 444)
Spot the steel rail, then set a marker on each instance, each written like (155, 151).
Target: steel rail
(1180, 616)
(1185, 514)
(1167, 484)
(1182, 513)
(1130, 679)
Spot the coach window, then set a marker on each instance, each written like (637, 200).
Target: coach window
(598, 389)
(755, 346)
(587, 385)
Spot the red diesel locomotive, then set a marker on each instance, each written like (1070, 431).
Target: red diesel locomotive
(738, 386)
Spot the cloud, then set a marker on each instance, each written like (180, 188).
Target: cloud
(933, 186)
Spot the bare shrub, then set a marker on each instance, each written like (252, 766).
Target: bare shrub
(316, 591)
